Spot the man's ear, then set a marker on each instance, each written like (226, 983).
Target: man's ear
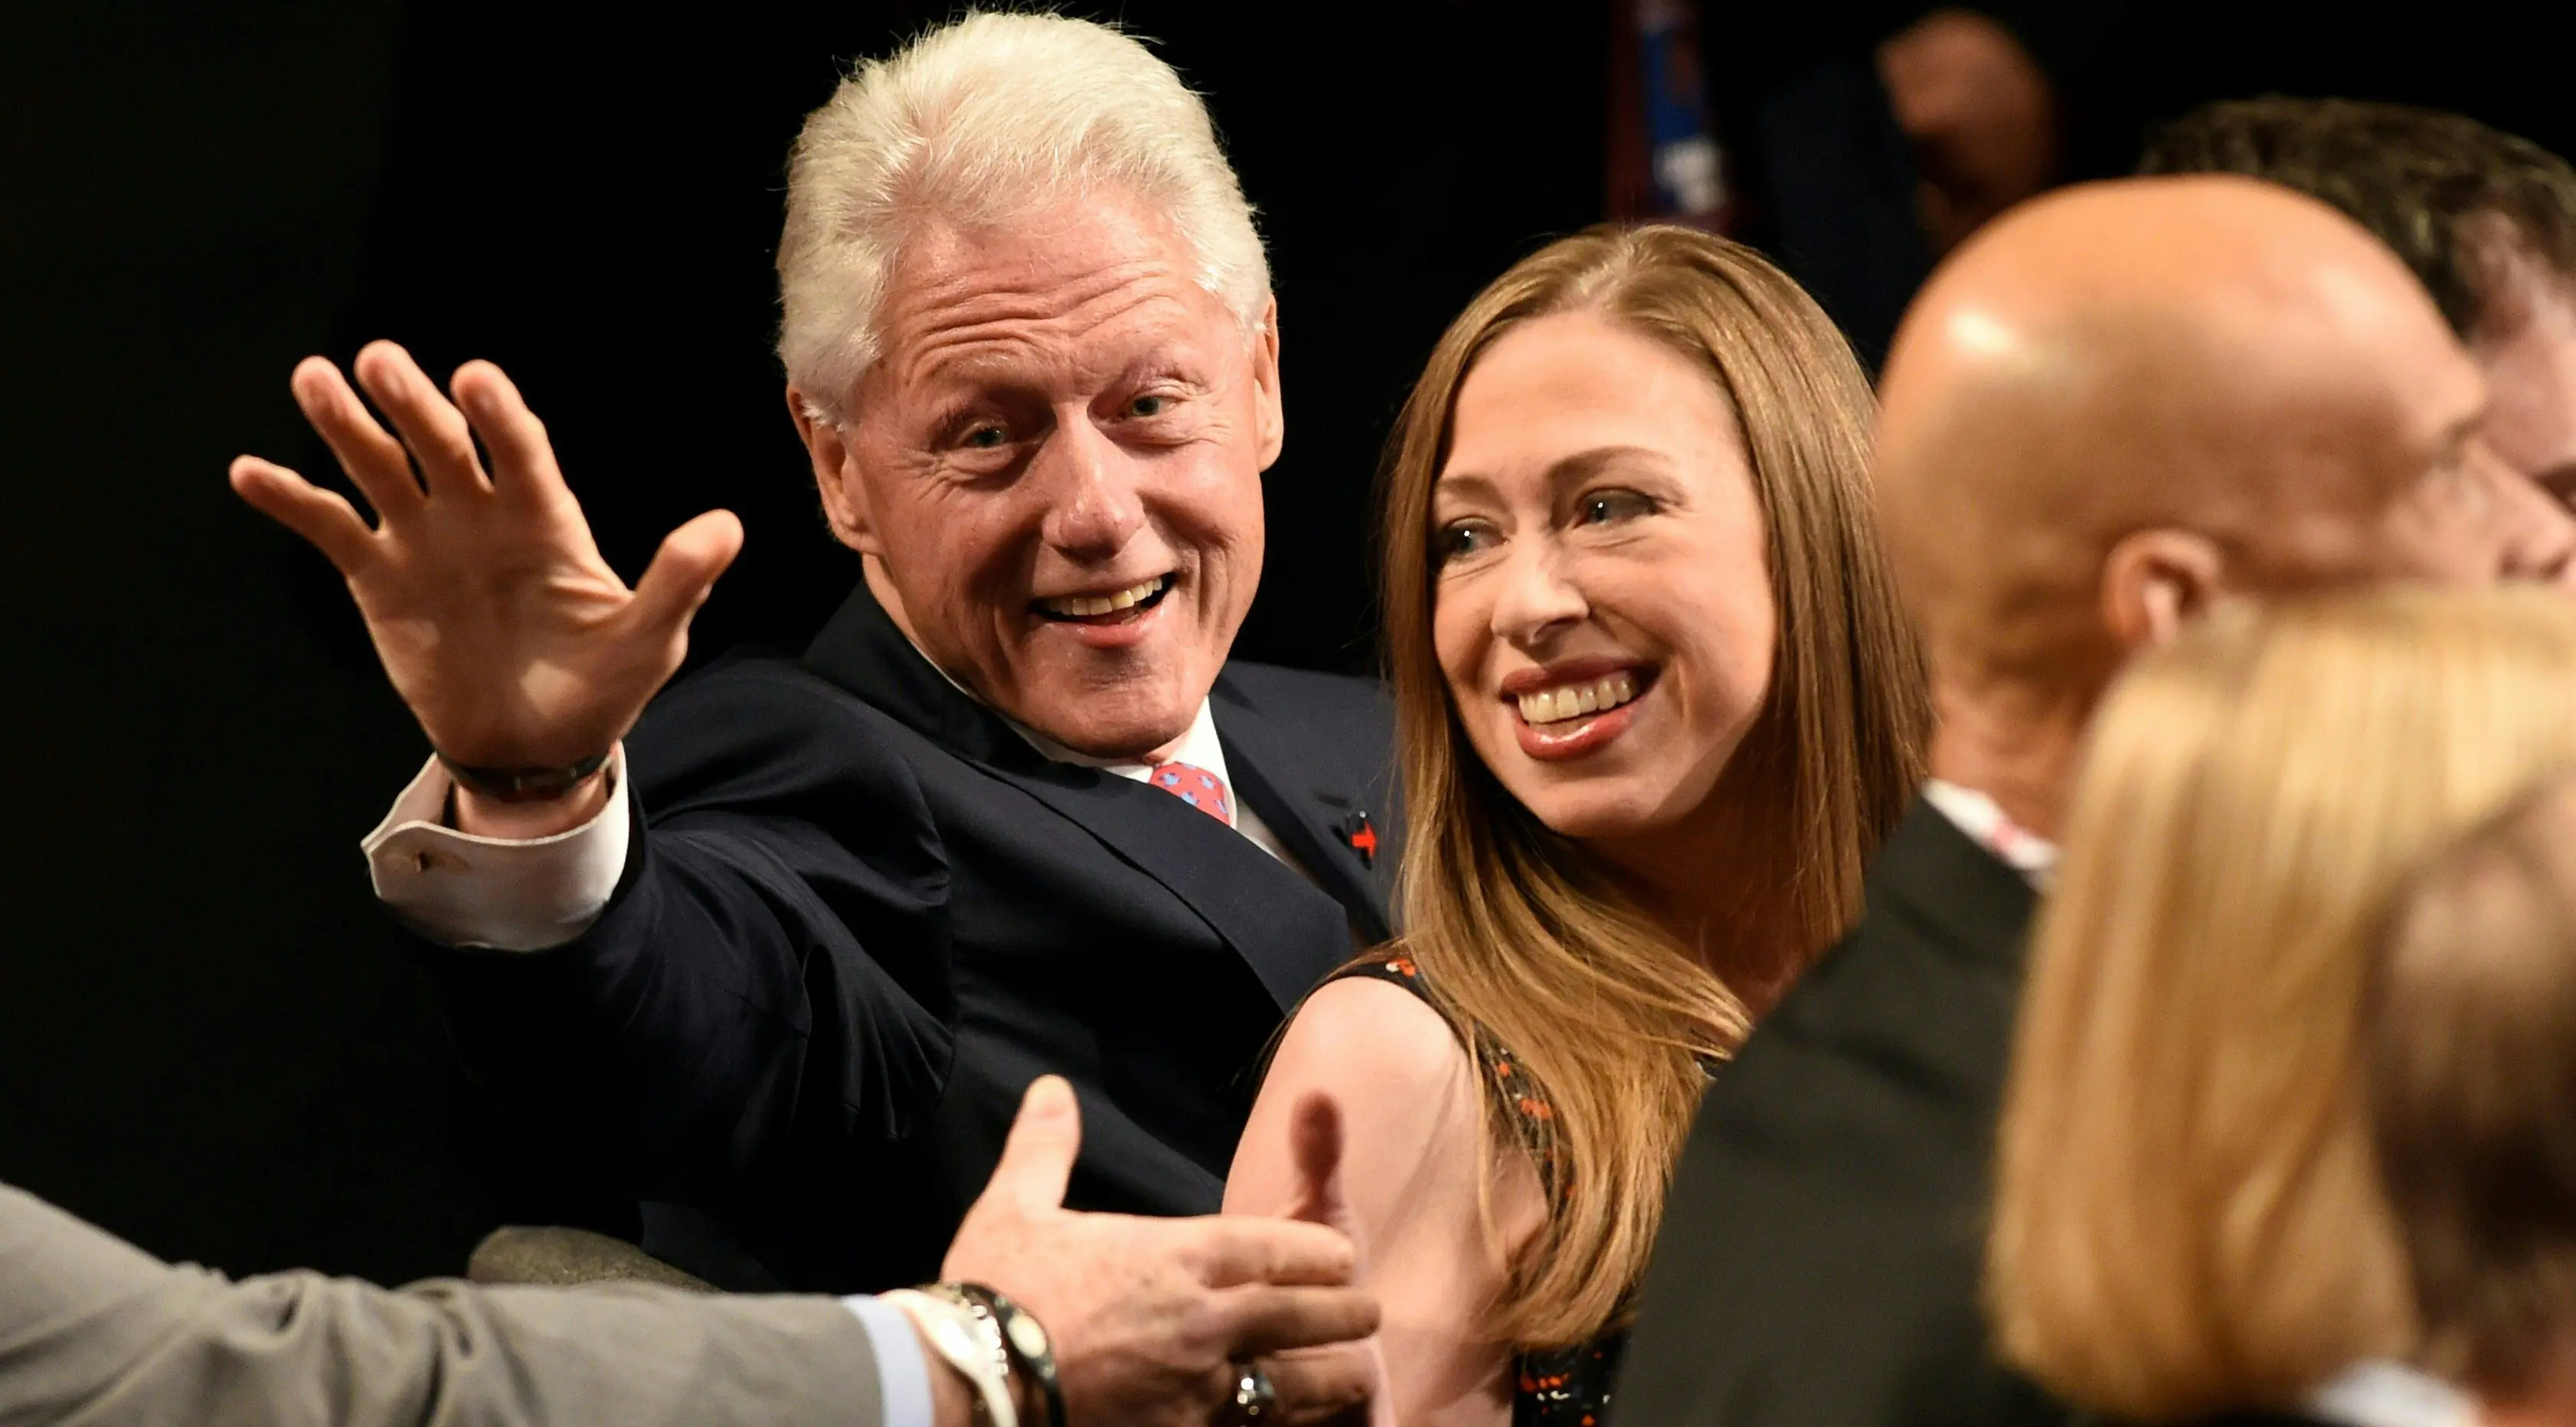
(2155, 580)
(1268, 414)
(836, 477)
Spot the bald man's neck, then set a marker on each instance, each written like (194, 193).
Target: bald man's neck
(2015, 743)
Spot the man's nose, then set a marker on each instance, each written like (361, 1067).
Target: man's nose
(1090, 484)
(1539, 595)
(2539, 534)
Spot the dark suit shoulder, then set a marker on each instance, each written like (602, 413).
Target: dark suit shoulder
(1822, 1249)
(1333, 699)
(754, 726)
(1329, 724)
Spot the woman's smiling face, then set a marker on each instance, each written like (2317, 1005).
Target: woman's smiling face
(1602, 605)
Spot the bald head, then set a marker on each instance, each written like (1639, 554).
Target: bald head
(2129, 399)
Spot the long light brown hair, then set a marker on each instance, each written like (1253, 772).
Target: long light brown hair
(1519, 932)
(2188, 1218)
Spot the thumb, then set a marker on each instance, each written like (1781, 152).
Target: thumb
(1037, 1160)
(684, 569)
(1315, 1143)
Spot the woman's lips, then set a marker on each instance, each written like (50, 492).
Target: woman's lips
(1574, 737)
(1556, 735)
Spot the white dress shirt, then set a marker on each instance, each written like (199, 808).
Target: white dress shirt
(1984, 821)
(2384, 1393)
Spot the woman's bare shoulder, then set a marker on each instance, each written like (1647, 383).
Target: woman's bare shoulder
(1363, 1033)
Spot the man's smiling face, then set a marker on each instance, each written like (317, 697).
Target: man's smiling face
(1054, 469)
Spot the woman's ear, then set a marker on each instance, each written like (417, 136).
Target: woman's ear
(2155, 580)
(827, 445)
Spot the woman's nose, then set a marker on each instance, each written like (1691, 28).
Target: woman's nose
(1539, 593)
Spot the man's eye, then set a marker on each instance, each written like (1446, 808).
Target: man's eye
(1153, 405)
(982, 438)
(1604, 507)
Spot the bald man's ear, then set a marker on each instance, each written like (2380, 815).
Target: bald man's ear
(2155, 580)
(836, 477)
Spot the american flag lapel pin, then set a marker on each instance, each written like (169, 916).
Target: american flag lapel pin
(1362, 837)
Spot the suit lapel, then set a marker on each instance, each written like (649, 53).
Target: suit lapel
(1287, 931)
(1957, 891)
(1311, 822)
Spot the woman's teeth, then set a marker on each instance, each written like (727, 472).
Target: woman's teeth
(1085, 606)
(1576, 700)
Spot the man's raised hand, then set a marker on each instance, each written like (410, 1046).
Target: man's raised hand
(510, 638)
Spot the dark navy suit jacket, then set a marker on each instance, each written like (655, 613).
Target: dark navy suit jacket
(1823, 1244)
(860, 914)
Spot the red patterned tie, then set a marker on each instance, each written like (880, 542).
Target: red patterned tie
(1197, 787)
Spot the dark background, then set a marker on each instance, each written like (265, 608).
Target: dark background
(209, 1039)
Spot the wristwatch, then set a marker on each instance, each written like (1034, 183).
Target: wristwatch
(968, 1339)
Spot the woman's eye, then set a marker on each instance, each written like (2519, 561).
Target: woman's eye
(1453, 541)
(1603, 507)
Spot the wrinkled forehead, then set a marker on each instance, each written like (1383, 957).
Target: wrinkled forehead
(1087, 285)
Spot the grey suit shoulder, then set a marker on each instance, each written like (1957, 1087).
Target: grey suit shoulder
(94, 1332)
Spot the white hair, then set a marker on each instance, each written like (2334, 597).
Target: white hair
(973, 124)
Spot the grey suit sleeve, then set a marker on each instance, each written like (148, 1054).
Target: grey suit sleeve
(96, 1333)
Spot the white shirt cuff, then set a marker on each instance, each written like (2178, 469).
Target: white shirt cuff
(903, 1367)
(463, 890)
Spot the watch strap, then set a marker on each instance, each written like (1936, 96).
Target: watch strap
(523, 785)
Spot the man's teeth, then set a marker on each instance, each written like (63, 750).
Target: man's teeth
(1083, 606)
(1576, 700)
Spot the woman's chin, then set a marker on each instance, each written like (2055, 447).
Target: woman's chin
(1608, 813)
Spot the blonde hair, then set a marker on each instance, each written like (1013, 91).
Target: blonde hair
(2188, 1218)
(1517, 930)
(975, 123)
(2473, 1092)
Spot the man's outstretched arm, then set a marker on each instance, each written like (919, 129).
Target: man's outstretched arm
(1149, 1320)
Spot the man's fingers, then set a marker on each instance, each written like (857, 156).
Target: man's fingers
(1037, 1160)
(523, 460)
(685, 568)
(1321, 1383)
(375, 462)
(1261, 1319)
(1238, 1249)
(429, 424)
(322, 517)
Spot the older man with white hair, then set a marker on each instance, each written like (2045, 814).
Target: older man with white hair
(790, 949)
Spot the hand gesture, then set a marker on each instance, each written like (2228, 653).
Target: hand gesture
(1150, 1316)
(511, 640)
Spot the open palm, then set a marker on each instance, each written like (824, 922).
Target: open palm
(508, 636)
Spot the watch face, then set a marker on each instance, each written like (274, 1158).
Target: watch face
(1027, 1336)
(956, 1341)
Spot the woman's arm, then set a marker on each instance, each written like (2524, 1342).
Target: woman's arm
(1412, 1154)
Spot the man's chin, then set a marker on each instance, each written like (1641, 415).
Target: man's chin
(1118, 724)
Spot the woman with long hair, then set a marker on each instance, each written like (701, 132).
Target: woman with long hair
(1657, 707)
(2189, 1221)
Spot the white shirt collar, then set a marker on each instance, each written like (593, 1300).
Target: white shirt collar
(2382, 1392)
(1987, 825)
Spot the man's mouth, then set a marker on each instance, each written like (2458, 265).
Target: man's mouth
(1116, 607)
(1566, 702)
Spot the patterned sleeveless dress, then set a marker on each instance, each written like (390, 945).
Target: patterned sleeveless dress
(1561, 1387)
